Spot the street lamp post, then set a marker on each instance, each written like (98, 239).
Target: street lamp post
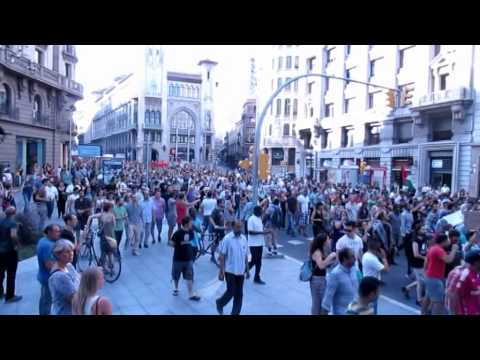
(259, 121)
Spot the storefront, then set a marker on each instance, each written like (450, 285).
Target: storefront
(440, 169)
(277, 156)
(400, 164)
(30, 152)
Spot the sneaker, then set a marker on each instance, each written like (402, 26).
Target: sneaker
(13, 299)
(140, 246)
(275, 252)
(145, 246)
(259, 281)
(219, 308)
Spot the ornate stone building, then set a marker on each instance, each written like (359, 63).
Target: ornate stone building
(37, 98)
(155, 114)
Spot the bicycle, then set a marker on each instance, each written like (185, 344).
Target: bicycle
(209, 244)
(110, 263)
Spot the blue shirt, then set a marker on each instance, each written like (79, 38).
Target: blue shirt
(134, 214)
(44, 253)
(342, 288)
(247, 210)
(147, 209)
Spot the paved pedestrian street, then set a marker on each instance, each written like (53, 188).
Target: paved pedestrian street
(144, 288)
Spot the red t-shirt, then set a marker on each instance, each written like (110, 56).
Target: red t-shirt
(435, 264)
(470, 303)
(181, 211)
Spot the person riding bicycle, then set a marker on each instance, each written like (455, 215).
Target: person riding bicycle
(107, 225)
(217, 222)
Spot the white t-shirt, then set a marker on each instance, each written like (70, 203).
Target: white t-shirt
(208, 205)
(52, 192)
(236, 251)
(355, 244)
(254, 223)
(303, 201)
(371, 265)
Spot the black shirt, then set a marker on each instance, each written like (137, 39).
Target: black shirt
(182, 252)
(417, 263)
(68, 235)
(292, 204)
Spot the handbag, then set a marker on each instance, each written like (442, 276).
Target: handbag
(306, 271)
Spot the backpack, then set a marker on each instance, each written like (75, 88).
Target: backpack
(455, 279)
(306, 271)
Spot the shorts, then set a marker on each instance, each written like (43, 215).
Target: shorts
(435, 289)
(185, 268)
(419, 275)
(303, 219)
(172, 221)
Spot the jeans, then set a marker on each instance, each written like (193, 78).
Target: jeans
(206, 222)
(317, 290)
(8, 264)
(291, 223)
(159, 224)
(45, 303)
(50, 206)
(256, 260)
(42, 213)
(235, 290)
(147, 227)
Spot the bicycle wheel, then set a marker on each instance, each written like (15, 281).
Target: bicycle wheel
(85, 257)
(112, 266)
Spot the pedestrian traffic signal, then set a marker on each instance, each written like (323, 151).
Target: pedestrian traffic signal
(263, 166)
(391, 98)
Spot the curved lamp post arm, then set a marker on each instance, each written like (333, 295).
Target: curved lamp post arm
(259, 120)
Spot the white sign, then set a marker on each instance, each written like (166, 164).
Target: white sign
(437, 164)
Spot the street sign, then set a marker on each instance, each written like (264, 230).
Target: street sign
(89, 150)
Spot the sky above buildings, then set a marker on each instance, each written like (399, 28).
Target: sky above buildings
(99, 64)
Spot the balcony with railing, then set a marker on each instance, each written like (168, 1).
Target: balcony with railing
(27, 68)
(445, 97)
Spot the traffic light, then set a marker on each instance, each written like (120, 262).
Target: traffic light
(263, 166)
(391, 98)
(407, 95)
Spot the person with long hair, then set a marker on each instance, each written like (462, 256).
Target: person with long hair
(317, 219)
(321, 258)
(87, 301)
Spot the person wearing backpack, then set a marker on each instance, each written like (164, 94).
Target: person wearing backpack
(8, 255)
(273, 222)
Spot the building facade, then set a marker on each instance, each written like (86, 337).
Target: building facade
(432, 131)
(154, 114)
(37, 97)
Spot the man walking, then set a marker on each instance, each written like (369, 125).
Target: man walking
(40, 198)
(8, 255)
(303, 204)
(159, 214)
(147, 216)
(256, 241)
(134, 213)
(45, 263)
(233, 267)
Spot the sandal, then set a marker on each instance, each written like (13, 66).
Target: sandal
(175, 292)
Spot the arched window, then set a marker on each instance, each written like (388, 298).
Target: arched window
(147, 117)
(37, 108)
(170, 90)
(189, 91)
(286, 129)
(177, 90)
(5, 99)
(183, 119)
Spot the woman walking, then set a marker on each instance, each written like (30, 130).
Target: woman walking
(87, 301)
(321, 258)
(317, 220)
(62, 199)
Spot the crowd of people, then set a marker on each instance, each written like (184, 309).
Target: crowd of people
(359, 232)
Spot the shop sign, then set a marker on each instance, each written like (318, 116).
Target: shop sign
(437, 164)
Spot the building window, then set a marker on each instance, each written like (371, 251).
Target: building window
(436, 49)
(348, 49)
(37, 108)
(330, 55)
(443, 81)
(279, 107)
(289, 62)
(279, 82)
(297, 61)
(287, 107)
(346, 105)
(294, 131)
(39, 57)
(295, 85)
(280, 63)
(371, 98)
(372, 134)
(324, 142)
(311, 112)
(347, 136)
(286, 130)
(295, 107)
(329, 110)
(372, 68)
(147, 117)
(159, 117)
(441, 128)
(403, 132)
(173, 138)
(68, 70)
(270, 130)
(289, 85)
(311, 63)
(5, 99)
(310, 87)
